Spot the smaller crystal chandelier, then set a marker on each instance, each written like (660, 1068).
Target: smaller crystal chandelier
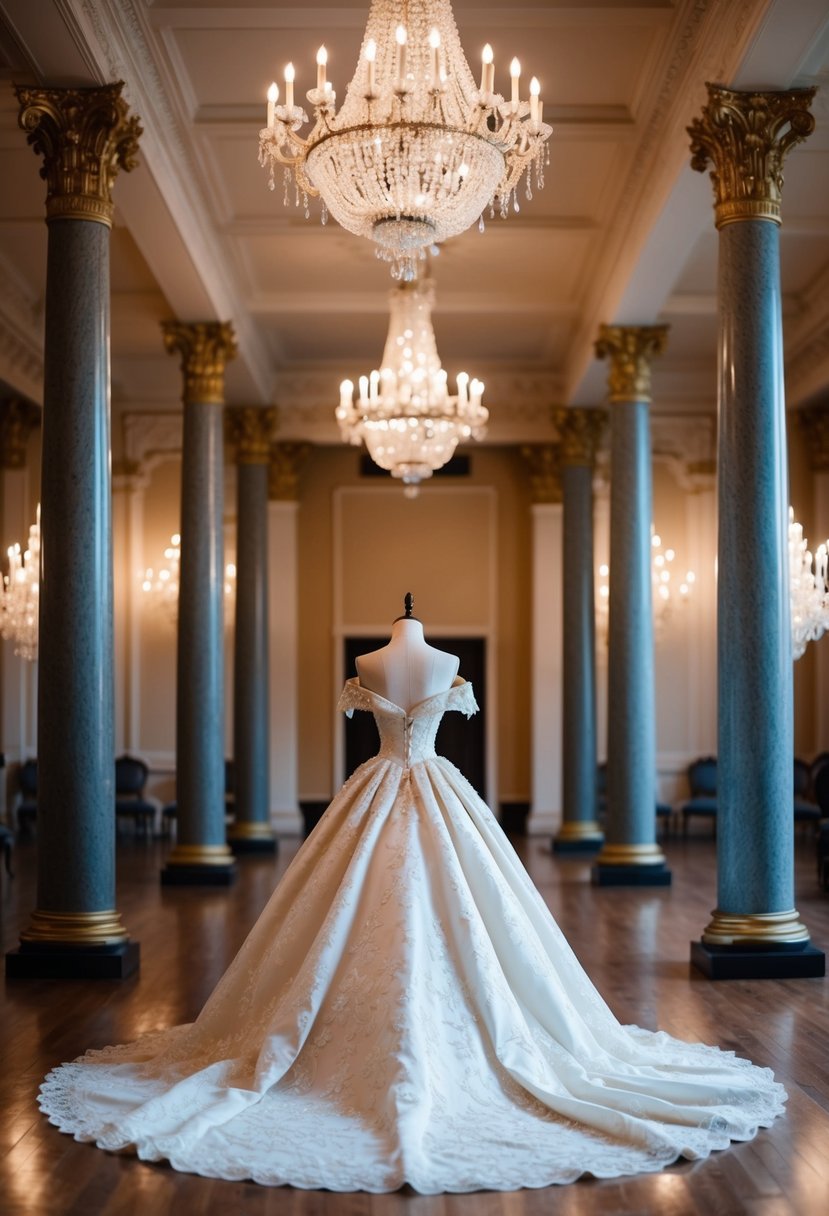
(417, 151)
(160, 586)
(20, 597)
(404, 412)
(809, 588)
(666, 592)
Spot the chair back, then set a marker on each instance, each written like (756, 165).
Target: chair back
(130, 775)
(27, 779)
(702, 776)
(822, 790)
(802, 778)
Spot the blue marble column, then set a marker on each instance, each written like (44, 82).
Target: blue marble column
(251, 431)
(630, 855)
(84, 136)
(755, 930)
(579, 831)
(201, 854)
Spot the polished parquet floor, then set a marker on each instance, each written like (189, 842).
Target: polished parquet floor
(633, 943)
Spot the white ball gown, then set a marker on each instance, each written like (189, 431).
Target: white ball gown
(406, 1010)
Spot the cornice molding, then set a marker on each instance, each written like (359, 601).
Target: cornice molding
(150, 439)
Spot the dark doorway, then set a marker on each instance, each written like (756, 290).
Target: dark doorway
(462, 742)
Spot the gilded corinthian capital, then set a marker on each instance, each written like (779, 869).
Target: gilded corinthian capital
(745, 137)
(287, 460)
(580, 431)
(250, 430)
(630, 349)
(84, 137)
(205, 348)
(544, 460)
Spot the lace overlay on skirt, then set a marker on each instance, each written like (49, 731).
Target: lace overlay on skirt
(406, 1010)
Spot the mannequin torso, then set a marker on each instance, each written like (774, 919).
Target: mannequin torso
(407, 670)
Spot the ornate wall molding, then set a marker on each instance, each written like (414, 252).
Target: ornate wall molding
(18, 418)
(814, 421)
(150, 440)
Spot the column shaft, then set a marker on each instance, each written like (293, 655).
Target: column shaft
(252, 829)
(579, 829)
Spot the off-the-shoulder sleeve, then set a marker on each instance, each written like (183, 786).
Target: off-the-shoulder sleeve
(352, 697)
(462, 698)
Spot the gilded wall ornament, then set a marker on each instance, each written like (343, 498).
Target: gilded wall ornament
(287, 460)
(84, 136)
(545, 461)
(814, 421)
(630, 349)
(745, 137)
(250, 430)
(18, 418)
(205, 348)
(580, 431)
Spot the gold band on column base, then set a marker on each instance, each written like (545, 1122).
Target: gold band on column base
(247, 830)
(76, 928)
(631, 855)
(201, 855)
(587, 829)
(758, 928)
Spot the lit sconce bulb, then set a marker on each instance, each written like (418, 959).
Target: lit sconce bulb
(401, 37)
(515, 76)
(346, 393)
(289, 86)
(463, 170)
(371, 58)
(487, 70)
(273, 98)
(322, 60)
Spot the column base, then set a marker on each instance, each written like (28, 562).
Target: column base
(795, 961)
(603, 875)
(578, 837)
(174, 875)
(56, 961)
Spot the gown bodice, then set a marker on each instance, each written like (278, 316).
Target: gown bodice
(408, 738)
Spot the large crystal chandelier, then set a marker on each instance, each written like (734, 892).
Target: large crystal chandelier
(20, 596)
(404, 412)
(809, 586)
(418, 150)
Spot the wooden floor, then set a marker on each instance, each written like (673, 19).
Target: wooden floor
(633, 943)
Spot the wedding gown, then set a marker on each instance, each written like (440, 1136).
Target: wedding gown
(406, 1010)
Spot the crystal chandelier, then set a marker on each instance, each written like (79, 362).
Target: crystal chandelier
(160, 586)
(666, 592)
(809, 589)
(20, 597)
(404, 412)
(418, 150)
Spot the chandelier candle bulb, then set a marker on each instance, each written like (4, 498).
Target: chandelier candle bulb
(515, 76)
(434, 43)
(273, 98)
(401, 39)
(289, 88)
(487, 71)
(322, 60)
(463, 382)
(535, 89)
(371, 58)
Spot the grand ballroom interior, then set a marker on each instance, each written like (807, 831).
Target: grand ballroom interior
(214, 552)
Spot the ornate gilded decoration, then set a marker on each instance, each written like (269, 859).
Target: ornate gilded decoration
(84, 137)
(287, 462)
(18, 418)
(630, 349)
(758, 928)
(200, 855)
(814, 421)
(545, 463)
(250, 430)
(205, 348)
(746, 136)
(631, 855)
(576, 830)
(580, 431)
(76, 928)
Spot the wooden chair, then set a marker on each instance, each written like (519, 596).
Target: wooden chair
(702, 779)
(805, 810)
(130, 778)
(27, 807)
(170, 811)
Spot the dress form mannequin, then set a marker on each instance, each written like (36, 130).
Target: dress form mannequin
(407, 670)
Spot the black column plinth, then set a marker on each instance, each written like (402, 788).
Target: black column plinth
(198, 876)
(253, 844)
(630, 876)
(577, 846)
(58, 962)
(740, 963)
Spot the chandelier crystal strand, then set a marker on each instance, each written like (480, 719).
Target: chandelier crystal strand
(20, 598)
(418, 150)
(403, 412)
(809, 589)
